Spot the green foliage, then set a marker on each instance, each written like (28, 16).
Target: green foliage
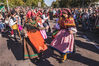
(13, 3)
(55, 4)
(72, 3)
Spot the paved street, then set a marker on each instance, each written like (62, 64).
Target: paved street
(87, 53)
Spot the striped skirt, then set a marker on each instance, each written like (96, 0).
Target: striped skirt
(43, 33)
(63, 42)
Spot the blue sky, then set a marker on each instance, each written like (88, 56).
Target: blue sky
(48, 2)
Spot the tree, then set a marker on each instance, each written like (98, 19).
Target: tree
(33, 3)
(55, 4)
(73, 3)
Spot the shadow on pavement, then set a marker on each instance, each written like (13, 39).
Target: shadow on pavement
(87, 46)
(16, 48)
(92, 36)
(79, 58)
(41, 62)
(44, 61)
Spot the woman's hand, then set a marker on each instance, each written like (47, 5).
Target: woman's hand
(41, 28)
(70, 31)
(25, 33)
(47, 27)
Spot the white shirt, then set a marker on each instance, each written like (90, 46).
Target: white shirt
(11, 22)
(44, 17)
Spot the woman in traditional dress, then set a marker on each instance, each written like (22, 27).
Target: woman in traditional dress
(64, 39)
(40, 23)
(33, 43)
(13, 24)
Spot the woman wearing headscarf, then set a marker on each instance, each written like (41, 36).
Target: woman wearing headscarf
(34, 44)
(40, 24)
(13, 24)
(64, 39)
